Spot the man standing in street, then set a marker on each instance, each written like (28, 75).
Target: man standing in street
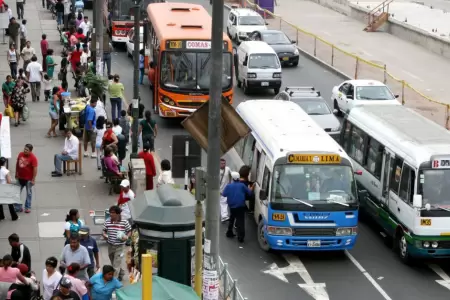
(116, 231)
(67, 12)
(91, 245)
(89, 126)
(34, 75)
(107, 58)
(23, 34)
(85, 25)
(14, 32)
(70, 152)
(26, 171)
(19, 252)
(27, 53)
(225, 179)
(44, 49)
(20, 8)
(75, 253)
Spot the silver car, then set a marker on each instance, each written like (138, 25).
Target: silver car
(314, 105)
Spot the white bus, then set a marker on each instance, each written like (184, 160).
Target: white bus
(305, 189)
(407, 177)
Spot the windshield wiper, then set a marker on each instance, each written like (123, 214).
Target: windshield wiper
(315, 114)
(303, 202)
(171, 85)
(337, 202)
(440, 207)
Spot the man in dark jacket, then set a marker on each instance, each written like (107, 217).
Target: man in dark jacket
(19, 252)
(236, 193)
(14, 32)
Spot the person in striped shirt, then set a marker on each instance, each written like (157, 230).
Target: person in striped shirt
(116, 231)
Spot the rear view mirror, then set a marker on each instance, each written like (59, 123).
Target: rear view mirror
(335, 112)
(417, 201)
(293, 42)
(396, 96)
(358, 172)
(267, 23)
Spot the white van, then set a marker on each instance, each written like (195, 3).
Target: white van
(257, 67)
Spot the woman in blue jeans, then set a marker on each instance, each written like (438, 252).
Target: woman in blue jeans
(116, 90)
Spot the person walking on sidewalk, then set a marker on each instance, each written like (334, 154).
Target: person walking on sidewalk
(150, 168)
(18, 99)
(26, 171)
(50, 62)
(44, 48)
(89, 128)
(23, 34)
(5, 178)
(13, 58)
(149, 130)
(34, 75)
(91, 245)
(20, 8)
(7, 89)
(59, 7)
(116, 91)
(14, 32)
(225, 179)
(116, 231)
(53, 111)
(75, 253)
(27, 53)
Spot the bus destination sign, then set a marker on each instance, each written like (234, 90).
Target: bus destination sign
(314, 158)
(441, 163)
(193, 45)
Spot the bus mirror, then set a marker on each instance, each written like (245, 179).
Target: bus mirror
(417, 201)
(262, 195)
(358, 172)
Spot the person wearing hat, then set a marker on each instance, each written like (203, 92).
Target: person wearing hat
(150, 169)
(64, 291)
(236, 193)
(91, 245)
(126, 195)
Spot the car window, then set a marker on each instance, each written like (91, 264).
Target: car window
(313, 107)
(373, 93)
(275, 38)
(263, 61)
(343, 88)
(251, 20)
(350, 90)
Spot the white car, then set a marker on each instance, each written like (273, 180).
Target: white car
(130, 41)
(242, 22)
(352, 93)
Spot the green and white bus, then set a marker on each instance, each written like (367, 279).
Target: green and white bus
(404, 161)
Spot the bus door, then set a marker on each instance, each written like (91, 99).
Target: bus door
(387, 165)
(262, 203)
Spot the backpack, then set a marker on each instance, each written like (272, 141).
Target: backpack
(79, 224)
(82, 118)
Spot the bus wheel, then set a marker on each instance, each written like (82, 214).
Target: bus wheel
(261, 238)
(401, 246)
(245, 87)
(239, 83)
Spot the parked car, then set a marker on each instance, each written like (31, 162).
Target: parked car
(361, 92)
(130, 41)
(285, 48)
(242, 22)
(314, 105)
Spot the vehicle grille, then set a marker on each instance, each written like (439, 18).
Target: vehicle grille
(285, 54)
(314, 232)
(190, 104)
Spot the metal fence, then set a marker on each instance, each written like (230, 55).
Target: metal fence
(228, 285)
(356, 67)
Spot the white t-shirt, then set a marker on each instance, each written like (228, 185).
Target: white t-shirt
(35, 69)
(67, 225)
(165, 178)
(117, 130)
(49, 284)
(100, 110)
(85, 26)
(224, 177)
(48, 86)
(67, 4)
(99, 137)
(126, 213)
(3, 173)
(84, 58)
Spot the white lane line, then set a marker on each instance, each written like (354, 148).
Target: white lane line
(412, 75)
(445, 282)
(368, 276)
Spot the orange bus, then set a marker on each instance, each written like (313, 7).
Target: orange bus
(179, 40)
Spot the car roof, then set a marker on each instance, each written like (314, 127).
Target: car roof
(242, 12)
(308, 97)
(365, 82)
(269, 31)
(262, 47)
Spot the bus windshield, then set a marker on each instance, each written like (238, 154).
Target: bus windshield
(121, 10)
(192, 70)
(435, 188)
(313, 185)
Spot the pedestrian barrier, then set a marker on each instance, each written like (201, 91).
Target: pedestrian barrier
(227, 285)
(356, 67)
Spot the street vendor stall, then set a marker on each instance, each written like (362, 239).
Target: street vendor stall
(72, 109)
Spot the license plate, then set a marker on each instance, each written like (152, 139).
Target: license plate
(264, 84)
(170, 114)
(285, 58)
(313, 244)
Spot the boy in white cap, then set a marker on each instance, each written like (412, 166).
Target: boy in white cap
(126, 195)
(236, 193)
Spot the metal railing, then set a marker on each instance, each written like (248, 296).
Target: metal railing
(228, 286)
(356, 67)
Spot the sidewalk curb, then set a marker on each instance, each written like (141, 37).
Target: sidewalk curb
(314, 59)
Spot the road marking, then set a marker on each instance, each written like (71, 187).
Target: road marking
(368, 276)
(445, 282)
(315, 290)
(412, 75)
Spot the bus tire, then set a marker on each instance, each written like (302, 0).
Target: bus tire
(401, 247)
(245, 88)
(261, 238)
(239, 83)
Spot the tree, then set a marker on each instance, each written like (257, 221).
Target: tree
(96, 85)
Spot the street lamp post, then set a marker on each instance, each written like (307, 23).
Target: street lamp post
(136, 98)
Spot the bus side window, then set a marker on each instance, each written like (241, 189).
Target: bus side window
(357, 144)
(396, 174)
(249, 146)
(374, 157)
(255, 165)
(346, 136)
(260, 167)
(407, 183)
(265, 180)
(239, 147)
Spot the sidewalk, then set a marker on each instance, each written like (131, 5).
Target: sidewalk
(42, 229)
(425, 71)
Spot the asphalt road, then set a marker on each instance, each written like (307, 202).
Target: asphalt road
(370, 271)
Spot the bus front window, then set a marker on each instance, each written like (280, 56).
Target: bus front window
(192, 70)
(313, 185)
(435, 188)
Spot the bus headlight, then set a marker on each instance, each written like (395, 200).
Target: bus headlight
(434, 244)
(296, 52)
(342, 231)
(117, 32)
(426, 244)
(251, 75)
(273, 230)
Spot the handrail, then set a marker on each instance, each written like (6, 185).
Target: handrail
(372, 14)
(382, 4)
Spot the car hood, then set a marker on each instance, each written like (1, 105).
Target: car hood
(251, 28)
(326, 121)
(283, 48)
(376, 102)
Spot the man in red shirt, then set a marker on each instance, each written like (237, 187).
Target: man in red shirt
(26, 171)
(150, 170)
(44, 48)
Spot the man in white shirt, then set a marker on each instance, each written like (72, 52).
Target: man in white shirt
(126, 195)
(34, 75)
(225, 179)
(67, 11)
(9, 11)
(23, 34)
(84, 57)
(85, 25)
(27, 53)
(70, 152)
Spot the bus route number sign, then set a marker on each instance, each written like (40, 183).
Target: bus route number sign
(175, 44)
(314, 158)
(425, 222)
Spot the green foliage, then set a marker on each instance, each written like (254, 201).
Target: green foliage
(96, 84)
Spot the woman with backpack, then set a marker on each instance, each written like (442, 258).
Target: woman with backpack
(73, 224)
(149, 130)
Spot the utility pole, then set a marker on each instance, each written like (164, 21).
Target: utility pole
(211, 259)
(135, 110)
(98, 31)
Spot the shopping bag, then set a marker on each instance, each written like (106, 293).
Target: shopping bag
(25, 113)
(9, 111)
